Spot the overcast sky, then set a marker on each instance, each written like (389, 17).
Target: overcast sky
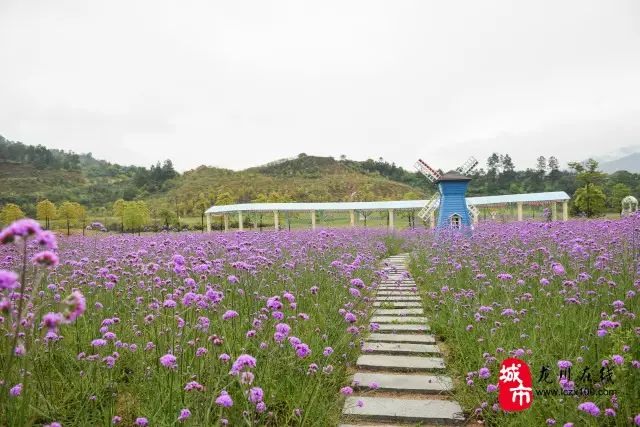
(240, 83)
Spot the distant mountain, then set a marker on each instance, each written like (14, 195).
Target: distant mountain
(629, 163)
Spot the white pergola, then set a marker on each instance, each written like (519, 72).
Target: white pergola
(548, 198)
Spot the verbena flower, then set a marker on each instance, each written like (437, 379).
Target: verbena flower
(229, 314)
(224, 399)
(590, 408)
(169, 361)
(8, 280)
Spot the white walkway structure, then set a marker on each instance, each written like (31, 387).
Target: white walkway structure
(550, 198)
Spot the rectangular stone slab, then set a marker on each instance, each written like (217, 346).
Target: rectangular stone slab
(403, 382)
(402, 327)
(398, 311)
(398, 319)
(397, 288)
(397, 304)
(398, 298)
(397, 282)
(408, 338)
(371, 425)
(413, 291)
(397, 285)
(396, 293)
(400, 363)
(399, 348)
(432, 411)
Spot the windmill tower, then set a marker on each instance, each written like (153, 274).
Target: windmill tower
(450, 198)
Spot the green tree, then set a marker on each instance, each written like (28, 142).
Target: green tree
(261, 198)
(167, 216)
(45, 211)
(365, 195)
(618, 192)
(136, 215)
(11, 212)
(590, 198)
(69, 212)
(201, 204)
(410, 214)
(591, 201)
(224, 198)
(118, 212)
(81, 215)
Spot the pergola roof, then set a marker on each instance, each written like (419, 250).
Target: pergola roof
(555, 196)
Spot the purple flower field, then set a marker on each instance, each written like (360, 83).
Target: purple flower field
(563, 297)
(262, 328)
(194, 329)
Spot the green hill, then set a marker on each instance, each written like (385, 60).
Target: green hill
(302, 180)
(31, 173)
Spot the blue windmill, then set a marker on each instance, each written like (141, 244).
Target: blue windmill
(450, 198)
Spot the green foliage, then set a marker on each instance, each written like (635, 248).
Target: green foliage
(618, 192)
(46, 211)
(135, 215)
(589, 199)
(10, 212)
(224, 199)
(71, 213)
(167, 216)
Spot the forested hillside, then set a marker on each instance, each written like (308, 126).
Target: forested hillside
(29, 174)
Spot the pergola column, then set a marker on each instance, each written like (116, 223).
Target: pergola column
(226, 222)
(240, 224)
(390, 219)
(519, 205)
(352, 214)
(255, 223)
(554, 211)
(565, 211)
(313, 220)
(208, 216)
(432, 219)
(276, 221)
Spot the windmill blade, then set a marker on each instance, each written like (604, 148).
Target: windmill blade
(426, 170)
(430, 207)
(468, 165)
(473, 210)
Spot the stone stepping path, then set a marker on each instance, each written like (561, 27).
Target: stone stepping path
(400, 376)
